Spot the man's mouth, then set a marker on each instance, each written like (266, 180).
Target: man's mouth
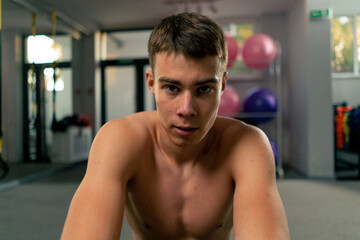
(185, 131)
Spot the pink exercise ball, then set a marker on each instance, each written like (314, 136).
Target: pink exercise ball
(232, 51)
(258, 51)
(230, 103)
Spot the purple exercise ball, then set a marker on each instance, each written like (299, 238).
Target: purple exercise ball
(260, 100)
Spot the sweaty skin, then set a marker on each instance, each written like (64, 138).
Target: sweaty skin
(179, 172)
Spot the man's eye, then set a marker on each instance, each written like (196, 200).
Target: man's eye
(171, 89)
(204, 89)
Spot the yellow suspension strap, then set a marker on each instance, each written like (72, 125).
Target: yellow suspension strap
(33, 26)
(0, 86)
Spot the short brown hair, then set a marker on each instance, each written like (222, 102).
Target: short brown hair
(191, 34)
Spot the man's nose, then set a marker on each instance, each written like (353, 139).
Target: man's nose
(187, 106)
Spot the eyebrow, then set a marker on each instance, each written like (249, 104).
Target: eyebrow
(176, 82)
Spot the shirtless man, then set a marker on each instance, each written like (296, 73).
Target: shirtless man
(180, 172)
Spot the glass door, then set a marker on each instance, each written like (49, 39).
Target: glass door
(47, 102)
(123, 88)
(120, 91)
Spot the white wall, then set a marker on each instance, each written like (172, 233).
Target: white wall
(310, 90)
(345, 7)
(84, 74)
(346, 90)
(321, 154)
(297, 22)
(12, 105)
(127, 44)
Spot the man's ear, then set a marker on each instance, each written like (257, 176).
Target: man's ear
(150, 81)
(224, 81)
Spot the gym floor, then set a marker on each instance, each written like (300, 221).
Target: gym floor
(35, 206)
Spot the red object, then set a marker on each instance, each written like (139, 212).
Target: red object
(230, 103)
(258, 51)
(232, 51)
(339, 125)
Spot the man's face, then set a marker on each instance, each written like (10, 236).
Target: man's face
(187, 93)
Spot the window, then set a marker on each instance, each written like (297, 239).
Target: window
(43, 49)
(345, 46)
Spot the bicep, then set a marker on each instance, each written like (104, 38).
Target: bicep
(97, 208)
(96, 211)
(259, 214)
(258, 209)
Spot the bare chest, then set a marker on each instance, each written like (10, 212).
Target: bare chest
(197, 204)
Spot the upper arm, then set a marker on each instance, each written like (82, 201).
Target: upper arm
(97, 208)
(258, 209)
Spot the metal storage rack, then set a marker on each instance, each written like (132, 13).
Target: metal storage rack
(347, 156)
(275, 75)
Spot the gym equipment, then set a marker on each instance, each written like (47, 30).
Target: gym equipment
(274, 148)
(258, 51)
(347, 141)
(232, 51)
(230, 103)
(260, 101)
(341, 129)
(69, 121)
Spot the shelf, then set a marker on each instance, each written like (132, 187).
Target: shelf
(258, 115)
(347, 164)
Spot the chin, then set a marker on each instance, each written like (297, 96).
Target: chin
(181, 142)
(184, 142)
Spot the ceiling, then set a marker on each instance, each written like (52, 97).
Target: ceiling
(91, 15)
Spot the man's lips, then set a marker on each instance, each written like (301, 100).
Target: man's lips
(185, 130)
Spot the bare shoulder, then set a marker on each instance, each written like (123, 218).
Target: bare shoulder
(135, 126)
(235, 132)
(248, 148)
(119, 143)
(131, 131)
(258, 209)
